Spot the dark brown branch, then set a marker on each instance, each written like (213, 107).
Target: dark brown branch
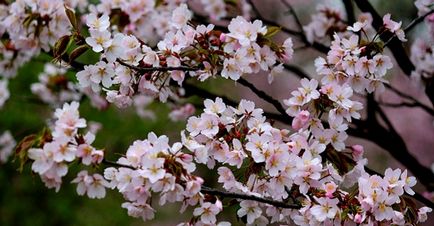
(261, 94)
(296, 70)
(414, 100)
(297, 20)
(349, 8)
(224, 194)
(162, 69)
(191, 90)
(416, 21)
(406, 104)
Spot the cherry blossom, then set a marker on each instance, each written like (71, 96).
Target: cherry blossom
(306, 173)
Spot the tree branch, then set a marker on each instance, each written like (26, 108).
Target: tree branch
(416, 21)
(406, 96)
(162, 69)
(279, 204)
(261, 94)
(349, 8)
(296, 70)
(197, 91)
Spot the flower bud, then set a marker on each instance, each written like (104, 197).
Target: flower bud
(357, 151)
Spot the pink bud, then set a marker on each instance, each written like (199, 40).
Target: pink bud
(358, 218)
(430, 18)
(222, 37)
(97, 156)
(219, 204)
(357, 151)
(304, 116)
(300, 120)
(189, 109)
(296, 124)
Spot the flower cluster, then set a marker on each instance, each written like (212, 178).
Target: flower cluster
(306, 174)
(198, 51)
(152, 166)
(355, 63)
(378, 194)
(31, 26)
(278, 164)
(62, 146)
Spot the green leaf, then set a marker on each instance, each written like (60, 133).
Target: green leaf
(61, 45)
(29, 19)
(30, 141)
(22, 148)
(271, 31)
(72, 17)
(78, 52)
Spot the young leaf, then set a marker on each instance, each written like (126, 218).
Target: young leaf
(72, 17)
(22, 148)
(78, 52)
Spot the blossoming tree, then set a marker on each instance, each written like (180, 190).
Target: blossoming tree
(290, 167)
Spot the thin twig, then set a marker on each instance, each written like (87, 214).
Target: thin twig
(414, 100)
(203, 93)
(296, 70)
(406, 104)
(296, 18)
